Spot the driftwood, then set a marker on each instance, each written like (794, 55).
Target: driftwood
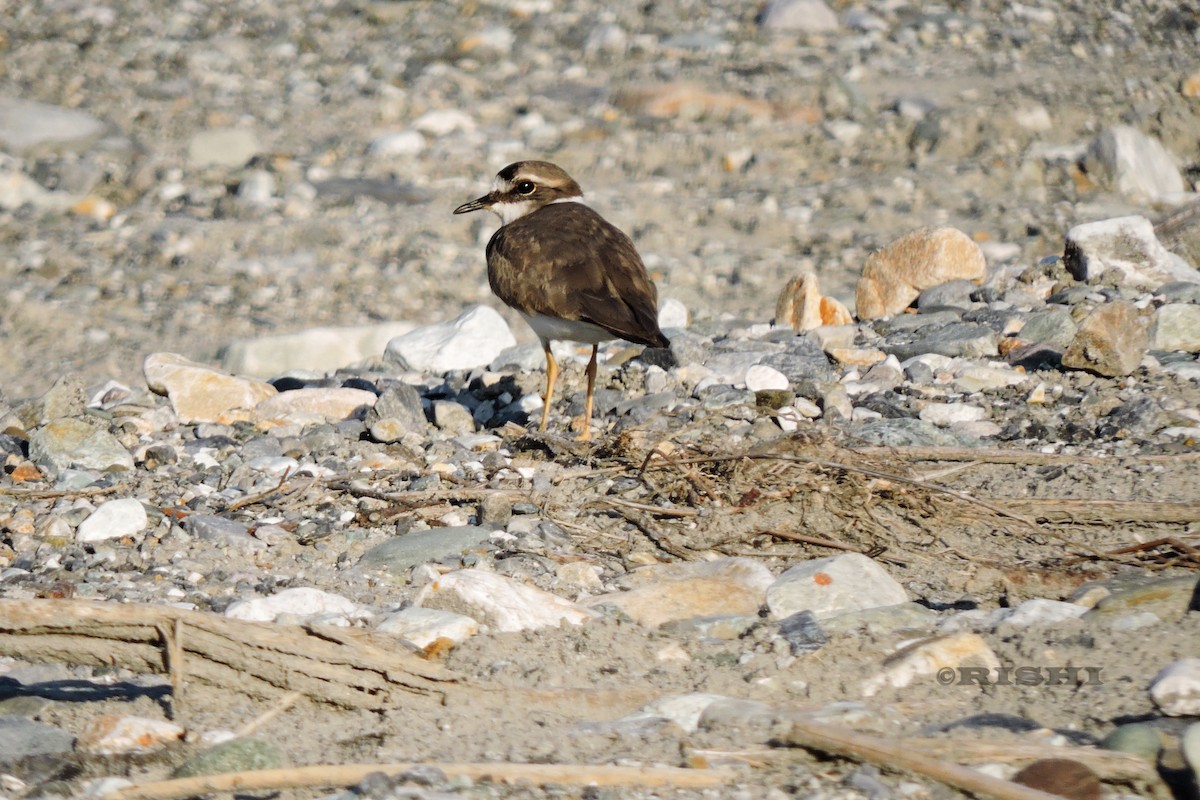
(347, 775)
(326, 664)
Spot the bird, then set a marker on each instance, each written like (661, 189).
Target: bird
(573, 275)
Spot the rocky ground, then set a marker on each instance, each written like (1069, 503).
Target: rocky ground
(1007, 477)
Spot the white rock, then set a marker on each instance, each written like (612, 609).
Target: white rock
(114, 519)
(501, 602)
(424, 626)
(317, 349)
(199, 393)
(316, 404)
(684, 710)
(1127, 244)
(1176, 689)
(1040, 611)
(18, 189)
(111, 734)
(443, 121)
(299, 602)
(672, 314)
(929, 657)
(945, 414)
(760, 377)
(1134, 164)
(472, 339)
(26, 125)
(403, 143)
(807, 16)
(834, 585)
(976, 378)
(222, 147)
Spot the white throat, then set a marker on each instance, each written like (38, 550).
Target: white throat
(508, 212)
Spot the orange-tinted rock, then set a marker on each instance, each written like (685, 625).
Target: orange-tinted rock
(689, 101)
(1112, 340)
(894, 276)
(202, 394)
(801, 306)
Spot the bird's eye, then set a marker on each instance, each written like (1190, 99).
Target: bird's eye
(525, 187)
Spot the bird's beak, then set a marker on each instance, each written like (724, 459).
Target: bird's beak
(483, 202)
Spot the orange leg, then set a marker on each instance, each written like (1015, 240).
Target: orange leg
(586, 434)
(551, 377)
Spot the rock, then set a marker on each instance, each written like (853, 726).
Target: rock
(21, 738)
(1189, 743)
(297, 604)
(1134, 164)
(18, 190)
(111, 734)
(799, 16)
(443, 121)
(202, 394)
(402, 553)
(400, 143)
(834, 585)
(400, 404)
(1139, 738)
(28, 127)
(424, 626)
(951, 294)
(221, 532)
(316, 349)
(1176, 689)
(973, 378)
(896, 275)
(1061, 777)
(1128, 245)
(956, 340)
(930, 657)
(946, 414)
(468, 341)
(673, 592)
(1177, 327)
(452, 418)
(672, 314)
(236, 755)
(75, 444)
(305, 406)
(801, 306)
(1040, 611)
(684, 100)
(499, 602)
(222, 147)
(114, 519)
(760, 378)
(1112, 340)
(1054, 326)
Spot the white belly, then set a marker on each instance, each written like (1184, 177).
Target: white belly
(560, 330)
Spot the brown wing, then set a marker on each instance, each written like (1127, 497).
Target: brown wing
(564, 260)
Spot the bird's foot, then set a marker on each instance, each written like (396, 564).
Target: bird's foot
(582, 426)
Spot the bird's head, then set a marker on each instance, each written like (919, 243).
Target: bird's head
(524, 187)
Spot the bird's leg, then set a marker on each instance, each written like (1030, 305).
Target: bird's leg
(551, 377)
(586, 433)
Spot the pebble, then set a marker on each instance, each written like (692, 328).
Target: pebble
(203, 394)
(1127, 245)
(112, 734)
(65, 444)
(236, 755)
(400, 143)
(501, 603)
(114, 519)
(1176, 688)
(1189, 743)
(760, 377)
(946, 414)
(471, 340)
(925, 658)
(307, 406)
(1139, 738)
(222, 147)
(222, 532)
(21, 738)
(834, 585)
(424, 626)
(402, 553)
(892, 278)
(672, 592)
(1134, 164)
(799, 16)
(27, 126)
(296, 604)
(1177, 327)
(1112, 340)
(316, 349)
(1040, 611)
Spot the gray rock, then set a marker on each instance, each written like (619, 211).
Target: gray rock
(401, 403)
(911, 322)
(27, 126)
(803, 360)
(1128, 245)
(1180, 292)
(402, 553)
(954, 294)
(1139, 738)
(20, 738)
(73, 443)
(1177, 327)
(1134, 164)
(235, 755)
(957, 340)
(222, 147)
(907, 433)
(220, 531)
(452, 418)
(1054, 326)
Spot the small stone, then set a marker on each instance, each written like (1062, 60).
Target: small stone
(927, 657)
(316, 405)
(802, 307)
(685, 100)
(296, 603)
(1134, 164)
(114, 519)
(956, 340)
(424, 626)
(111, 735)
(803, 633)
(1176, 689)
(401, 143)
(502, 603)
(1040, 611)
(1177, 327)
(673, 592)
(946, 414)
(471, 340)
(222, 147)
(951, 294)
(672, 314)
(317, 349)
(1054, 326)
(1112, 340)
(798, 16)
(441, 122)
(1061, 777)
(1169, 599)
(896, 275)
(27, 127)
(202, 394)
(834, 585)
(401, 553)
(1189, 743)
(760, 377)
(236, 755)
(1128, 245)
(401, 404)
(222, 532)
(1139, 738)
(452, 418)
(75, 444)
(21, 738)
(975, 378)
